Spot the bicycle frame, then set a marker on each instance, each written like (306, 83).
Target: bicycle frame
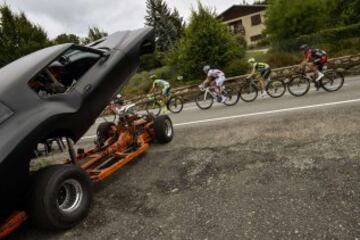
(209, 90)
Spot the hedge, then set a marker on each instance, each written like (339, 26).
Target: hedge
(332, 35)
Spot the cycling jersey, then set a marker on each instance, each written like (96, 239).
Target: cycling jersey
(259, 66)
(218, 76)
(316, 56)
(161, 83)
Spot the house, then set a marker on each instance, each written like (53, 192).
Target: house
(245, 20)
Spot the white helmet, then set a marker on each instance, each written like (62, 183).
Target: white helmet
(153, 77)
(206, 69)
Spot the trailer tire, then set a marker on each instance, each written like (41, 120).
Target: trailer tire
(164, 130)
(61, 196)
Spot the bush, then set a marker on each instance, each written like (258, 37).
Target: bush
(141, 83)
(278, 59)
(237, 67)
(331, 36)
(152, 61)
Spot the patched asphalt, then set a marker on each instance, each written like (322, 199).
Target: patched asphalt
(279, 176)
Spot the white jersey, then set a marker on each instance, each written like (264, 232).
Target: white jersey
(216, 74)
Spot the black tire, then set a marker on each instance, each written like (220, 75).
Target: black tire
(298, 86)
(203, 102)
(276, 88)
(61, 197)
(249, 92)
(164, 130)
(175, 104)
(102, 132)
(153, 107)
(332, 81)
(232, 96)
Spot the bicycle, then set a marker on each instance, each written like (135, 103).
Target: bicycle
(174, 104)
(299, 84)
(205, 99)
(250, 89)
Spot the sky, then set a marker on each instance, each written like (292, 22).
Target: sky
(75, 16)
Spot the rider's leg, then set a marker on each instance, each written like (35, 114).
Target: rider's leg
(315, 67)
(220, 88)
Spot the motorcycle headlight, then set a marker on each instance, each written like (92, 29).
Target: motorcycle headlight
(5, 113)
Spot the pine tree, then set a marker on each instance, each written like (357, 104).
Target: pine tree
(18, 36)
(167, 24)
(66, 38)
(94, 34)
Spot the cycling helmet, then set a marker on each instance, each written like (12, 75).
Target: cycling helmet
(153, 77)
(206, 69)
(304, 47)
(251, 60)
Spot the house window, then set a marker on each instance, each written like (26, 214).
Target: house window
(256, 20)
(256, 37)
(237, 27)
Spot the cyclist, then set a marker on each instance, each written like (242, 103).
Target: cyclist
(315, 59)
(263, 69)
(215, 78)
(117, 103)
(164, 86)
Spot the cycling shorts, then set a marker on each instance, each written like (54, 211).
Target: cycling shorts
(166, 91)
(220, 81)
(265, 74)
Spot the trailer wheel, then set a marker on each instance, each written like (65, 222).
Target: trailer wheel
(60, 198)
(164, 130)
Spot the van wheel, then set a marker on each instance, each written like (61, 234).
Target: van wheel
(60, 198)
(164, 130)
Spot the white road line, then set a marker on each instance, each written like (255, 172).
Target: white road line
(256, 114)
(268, 112)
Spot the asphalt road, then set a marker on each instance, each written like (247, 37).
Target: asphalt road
(274, 169)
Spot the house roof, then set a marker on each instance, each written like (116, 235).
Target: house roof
(237, 11)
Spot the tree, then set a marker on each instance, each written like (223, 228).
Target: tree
(66, 38)
(94, 34)
(205, 41)
(167, 24)
(344, 12)
(290, 19)
(18, 36)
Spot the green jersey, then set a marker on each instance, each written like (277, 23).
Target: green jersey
(259, 66)
(161, 84)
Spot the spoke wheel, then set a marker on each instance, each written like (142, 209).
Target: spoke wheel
(175, 105)
(249, 92)
(204, 101)
(232, 96)
(332, 81)
(276, 88)
(153, 108)
(299, 86)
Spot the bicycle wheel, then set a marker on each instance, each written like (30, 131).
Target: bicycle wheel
(175, 104)
(276, 88)
(232, 96)
(249, 92)
(332, 81)
(153, 107)
(298, 86)
(204, 101)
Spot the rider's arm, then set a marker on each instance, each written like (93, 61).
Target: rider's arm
(253, 72)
